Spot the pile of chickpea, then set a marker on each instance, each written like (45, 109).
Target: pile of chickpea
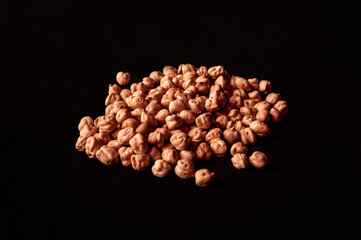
(181, 115)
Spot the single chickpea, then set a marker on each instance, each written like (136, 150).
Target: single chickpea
(88, 130)
(80, 143)
(242, 83)
(184, 169)
(222, 121)
(204, 177)
(180, 141)
(154, 154)
(153, 108)
(258, 159)
(125, 93)
(114, 144)
(203, 152)
(148, 118)
(219, 147)
(156, 138)
(125, 135)
(143, 128)
(177, 106)
(138, 102)
(223, 82)
(161, 115)
(264, 86)
(184, 68)
(164, 131)
(273, 98)
(137, 113)
(202, 71)
(166, 100)
(248, 136)
(111, 98)
(235, 114)
(235, 101)
(250, 103)
(114, 88)
(275, 115)
(197, 134)
(170, 71)
(204, 120)
(189, 76)
(123, 78)
(246, 120)
(107, 155)
(212, 104)
(103, 137)
(149, 82)
(192, 91)
(173, 122)
(263, 116)
(140, 161)
(213, 134)
(139, 144)
(122, 115)
(239, 161)
(282, 107)
(231, 135)
(196, 106)
(253, 82)
(161, 168)
(262, 106)
(156, 75)
(259, 128)
(85, 121)
(107, 124)
(125, 153)
(255, 95)
(130, 122)
(187, 155)
(170, 155)
(92, 145)
(238, 147)
(215, 71)
(187, 116)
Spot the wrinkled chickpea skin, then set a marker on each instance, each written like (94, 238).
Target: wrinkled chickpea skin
(238, 147)
(161, 168)
(204, 177)
(203, 152)
(170, 155)
(184, 169)
(219, 147)
(107, 155)
(239, 161)
(258, 159)
(139, 144)
(140, 161)
(125, 154)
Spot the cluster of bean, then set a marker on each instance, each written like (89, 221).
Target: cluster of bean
(177, 116)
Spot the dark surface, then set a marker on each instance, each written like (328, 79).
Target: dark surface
(58, 58)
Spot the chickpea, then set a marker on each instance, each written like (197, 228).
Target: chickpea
(111, 98)
(197, 134)
(275, 115)
(238, 147)
(253, 82)
(92, 145)
(87, 131)
(215, 71)
(170, 71)
(196, 106)
(85, 121)
(139, 144)
(103, 137)
(203, 152)
(154, 153)
(192, 91)
(262, 106)
(282, 107)
(153, 108)
(246, 120)
(248, 136)
(156, 138)
(161, 168)
(165, 132)
(130, 122)
(223, 82)
(177, 106)
(255, 95)
(187, 116)
(107, 124)
(173, 122)
(107, 155)
(125, 93)
(148, 118)
(161, 115)
(212, 104)
(149, 82)
(80, 143)
(138, 102)
(222, 121)
(184, 68)
(242, 83)
(204, 120)
(273, 98)
(114, 144)
(184, 169)
(156, 75)
(239, 161)
(258, 159)
(187, 155)
(166, 100)
(140, 161)
(202, 71)
(264, 86)
(180, 141)
(203, 85)
(122, 115)
(113, 108)
(249, 103)
(259, 128)
(263, 116)
(125, 154)
(123, 78)
(143, 128)
(213, 134)
(204, 177)
(219, 147)
(231, 135)
(170, 155)
(114, 88)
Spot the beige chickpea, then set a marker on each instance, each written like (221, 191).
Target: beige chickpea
(153, 107)
(125, 135)
(161, 168)
(189, 76)
(184, 68)
(92, 145)
(154, 95)
(250, 103)
(275, 115)
(203, 85)
(107, 155)
(130, 122)
(187, 116)
(125, 93)
(238, 147)
(114, 144)
(148, 118)
(192, 91)
(219, 147)
(203, 152)
(161, 115)
(196, 106)
(143, 128)
(122, 115)
(222, 121)
(263, 115)
(178, 80)
(125, 153)
(188, 83)
(167, 146)
(166, 100)
(246, 120)
(170, 71)
(112, 109)
(204, 177)
(104, 137)
(273, 98)
(173, 122)
(213, 134)
(139, 144)
(231, 135)
(137, 113)
(85, 121)
(247, 136)
(149, 82)
(140, 161)
(202, 71)
(204, 120)
(189, 156)
(282, 107)
(164, 131)
(235, 114)
(80, 143)
(111, 98)
(138, 102)
(235, 101)
(88, 131)
(215, 71)
(138, 87)
(258, 159)
(107, 124)
(197, 134)
(242, 83)
(263, 105)
(239, 161)
(114, 88)
(253, 82)
(114, 134)
(223, 82)
(240, 93)
(177, 106)
(264, 86)
(154, 153)
(255, 95)
(184, 169)
(180, 141)
(201, 98)
(212, 104)
(156, 75)
(156, 138)
(170, 155)
(123, 78)
(259, 128)
(167, 83)
(247, 111)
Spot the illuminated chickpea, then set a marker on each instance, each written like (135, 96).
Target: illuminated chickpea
(282, 107)
(239, 161)
(170, 155)
(253, 82)
(184, 169)
(187, 155)
(104, 137)
(161, 168)
(231, 135)
(156, 138)
(264, 86)
(222, 121)
(263, 116)
(149, 82)
(204, 120)
(275, 115)
(170, 71)
(140, 161)
(139, 144)
(85, 121)
(197, 134)
(122, 115)
(154, 154)
(238, 147)
(114, 144)
(258, 159)
(130, 122)
(196, 106)
(80, 143)
(88, 131)
(111, 98)
(125, 154)
(262, 106)
(213, 134)
(125, 135)
(219, 147)
(248, 136)
(273, 98)
(148, 118)
(259, 128)
(156, 75)
(187, 116)
(203, 152)
(123, 78)
(107, 155)
(180, 141)
(204, 177)
(92, 145)
(161, 115)
(125, 93)
(173, 122)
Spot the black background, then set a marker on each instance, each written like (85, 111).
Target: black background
(57, 59)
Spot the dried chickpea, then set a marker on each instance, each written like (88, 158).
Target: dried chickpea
(114, 144)
(203, 152)
(282, 107)
(107, 124)
(180, 141)
(88, 131)
(85, 121)
(170, 155)
(264, 86)
(114, 88)
(204, 177)
(262, 106)
(80, 143)
(202, 71)
(125, 135)
(223, 82)
(130, 122)
(161, 115)
(239, 161)
(170, 71)
(122, 115)
(184, 169)
(125, 93)
(263, 115)
(138, 102)
(273, 98)
(231, 135)
(139, 144)
(258, 159)
(156, 138)
(248, 136)
(92, 145)
(125, 153)
(204, 120)
(123, 78)
(154, 153)
(137, 113)
(143, 128)
(187, 116)
(103, 137)
(275, 115)
(255, 95)
(222, 121)
(246, 120)
(173, 122)
(238, 147)
(253, 82)
(161, 168)
(148, 118)
(215, 71)
(213, 134)
(242, 83)
(197, 134)
(111, 98)
(156, 75)
(140, 161)
(107, 155)
(153, 107)
(259, 128)
(187, 155)
(219, 147)
(165, 132)
(149, 82)
(184, 68)
(196, 106)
